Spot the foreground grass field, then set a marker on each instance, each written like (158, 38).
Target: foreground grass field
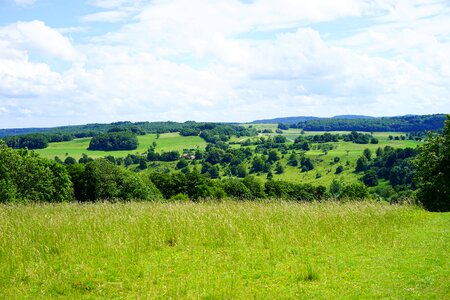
(243, 250)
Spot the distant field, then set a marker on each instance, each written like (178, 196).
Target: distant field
(324, 163)
(166, 142)
(233, 250)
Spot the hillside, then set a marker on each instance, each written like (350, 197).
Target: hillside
(286, 120)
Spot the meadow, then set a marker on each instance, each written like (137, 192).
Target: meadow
(324, 162)
(165, 142)
(216, 250)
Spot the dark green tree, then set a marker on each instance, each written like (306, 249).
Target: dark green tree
(370, 178)
(361, 164)
(368, 154)
(433, 176)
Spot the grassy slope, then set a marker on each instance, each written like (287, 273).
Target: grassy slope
(223, 250)
(324, 164)
(166, 142)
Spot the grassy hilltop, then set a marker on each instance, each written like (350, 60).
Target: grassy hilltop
(239, 250)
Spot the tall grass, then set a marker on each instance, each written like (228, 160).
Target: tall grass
(223, 250)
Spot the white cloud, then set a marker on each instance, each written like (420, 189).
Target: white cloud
(36, 36)
(110, 4)
(111, 16)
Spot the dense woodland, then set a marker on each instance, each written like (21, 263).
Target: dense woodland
(395, 124)
(220, 170)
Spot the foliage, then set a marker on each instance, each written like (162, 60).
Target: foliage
(24, 176)
(30, 141)
(354, 191)
(102, 180)
(433, 176)
(114, 141)
(395, 124)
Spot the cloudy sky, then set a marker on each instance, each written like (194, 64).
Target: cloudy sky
(76, 62)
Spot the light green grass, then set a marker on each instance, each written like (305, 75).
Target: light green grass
(324, 163)
(223, 250)
(166, 142)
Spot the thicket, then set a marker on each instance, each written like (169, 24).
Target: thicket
(111, 141)
(24, 176)
(433, 176)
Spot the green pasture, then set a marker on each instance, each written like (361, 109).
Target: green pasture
(223, 250)
(324, 163)
(166, 142)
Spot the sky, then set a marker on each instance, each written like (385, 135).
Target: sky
(96, 61)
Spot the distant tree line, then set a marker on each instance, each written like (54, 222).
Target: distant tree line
(396, 124)
(355, 137)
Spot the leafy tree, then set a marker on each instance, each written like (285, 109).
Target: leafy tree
(152, 155)
(306, 164)
(84, 159)
(214, 172)
(241, 171)
(367, 153)
(255, 186)
(170, 156)
(335, 188)
(273, 156)
(292, 160)
(379, 152)
(339, 170)
(370, 178)
(361, 164)
(182, 163)
(237, 189)
(279, 169)
(257, 165)
(114, 141)
(142, 163)
(433, 176)
(354, 191)
(24, 176)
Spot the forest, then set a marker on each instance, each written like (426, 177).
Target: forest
(410, 123)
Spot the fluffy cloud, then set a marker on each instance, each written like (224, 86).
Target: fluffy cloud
(231, 61)
(35, 36)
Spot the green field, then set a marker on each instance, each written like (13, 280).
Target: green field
(324, 163)
(166, 142)
(233, 250)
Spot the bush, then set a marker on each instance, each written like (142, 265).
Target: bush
(237, 189)
(370, 178)
(102, 180)
(356, 191)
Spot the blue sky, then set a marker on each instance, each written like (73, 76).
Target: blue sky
(75, 62)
